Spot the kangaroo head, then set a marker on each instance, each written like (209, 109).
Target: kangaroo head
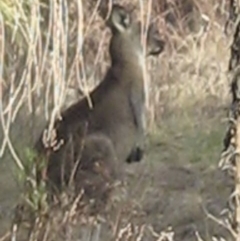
(126, 45)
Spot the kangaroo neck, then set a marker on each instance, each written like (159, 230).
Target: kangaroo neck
(127, 69)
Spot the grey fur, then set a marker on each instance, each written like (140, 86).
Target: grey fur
(118, 107)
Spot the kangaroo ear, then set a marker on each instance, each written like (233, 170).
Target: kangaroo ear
(119, 19)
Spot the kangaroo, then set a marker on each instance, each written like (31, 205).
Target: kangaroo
(118, 105)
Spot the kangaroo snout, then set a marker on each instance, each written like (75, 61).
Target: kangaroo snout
(160, 44)
(155, 43)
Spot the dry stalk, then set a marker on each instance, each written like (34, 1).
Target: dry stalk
(231, 153)
(237, 179)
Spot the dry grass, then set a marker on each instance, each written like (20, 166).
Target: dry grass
(50, 52)
(193, 66)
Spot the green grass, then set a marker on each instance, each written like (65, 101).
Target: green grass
(187, 138)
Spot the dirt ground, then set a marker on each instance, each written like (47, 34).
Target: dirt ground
(181, 196)
(179, 183)
(176, 185)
